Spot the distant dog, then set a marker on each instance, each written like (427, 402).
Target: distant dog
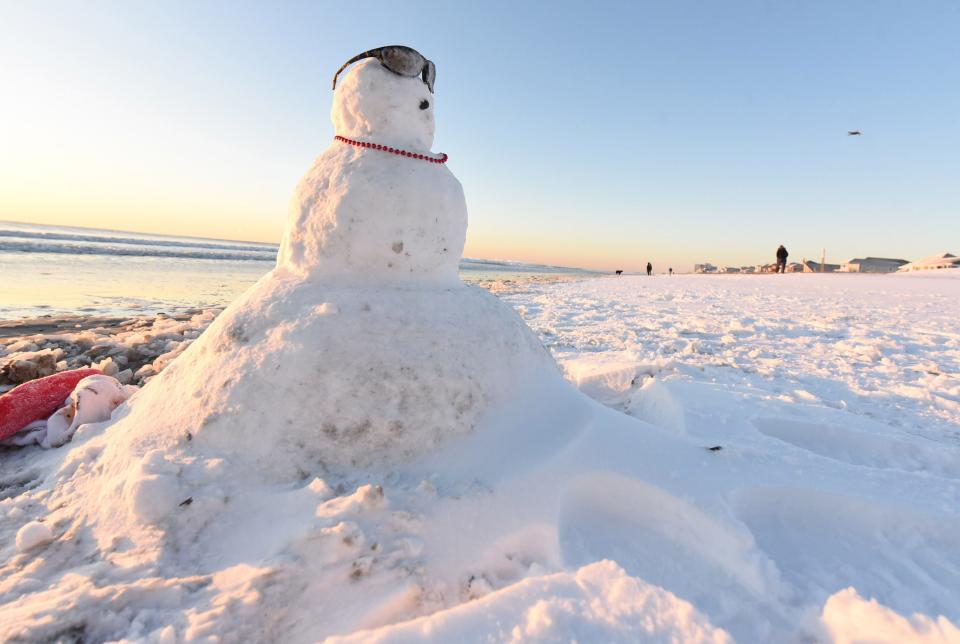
(619, 272)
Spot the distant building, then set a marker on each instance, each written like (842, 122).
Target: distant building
(794, 267)
(811, 266)
(747, 269)
(729, 269)
(704, 268)
(943, 260)
(872, 265)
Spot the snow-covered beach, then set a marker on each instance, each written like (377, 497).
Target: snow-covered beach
(829, 513)
(881, 347)
(359, 445)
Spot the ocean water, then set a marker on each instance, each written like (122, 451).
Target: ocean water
(57, 269)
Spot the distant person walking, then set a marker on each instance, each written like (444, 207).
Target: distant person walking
(670, 271)
(649, 268)
(782, 255)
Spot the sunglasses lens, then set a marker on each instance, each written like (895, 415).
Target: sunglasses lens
(402, 60)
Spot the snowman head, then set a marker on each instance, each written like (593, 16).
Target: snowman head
(371, 103)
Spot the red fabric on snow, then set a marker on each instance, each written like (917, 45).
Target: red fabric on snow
(37, 399)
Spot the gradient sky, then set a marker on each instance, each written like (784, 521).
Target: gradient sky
(590, 134)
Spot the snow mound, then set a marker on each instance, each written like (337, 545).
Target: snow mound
(597, 603)
(653, 403)
(849, 619)
(300, 377)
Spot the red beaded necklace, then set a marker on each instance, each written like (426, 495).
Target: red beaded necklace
(385, 148)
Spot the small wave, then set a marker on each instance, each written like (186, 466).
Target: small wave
(136, 251)
(506, 265)
(134, 241)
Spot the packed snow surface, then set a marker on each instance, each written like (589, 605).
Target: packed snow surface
(829, 514)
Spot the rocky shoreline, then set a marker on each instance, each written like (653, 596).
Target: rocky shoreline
(132, 350)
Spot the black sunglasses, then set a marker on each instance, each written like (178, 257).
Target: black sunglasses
(401, 60)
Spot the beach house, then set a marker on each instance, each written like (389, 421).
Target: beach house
(872, 265)
(941, 260)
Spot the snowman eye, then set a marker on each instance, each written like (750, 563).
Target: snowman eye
(424, 104)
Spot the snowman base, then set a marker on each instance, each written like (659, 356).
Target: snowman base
(299, 378)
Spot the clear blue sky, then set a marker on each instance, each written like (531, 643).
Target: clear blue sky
(596, 134)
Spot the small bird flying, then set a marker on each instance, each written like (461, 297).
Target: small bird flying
(853, 132)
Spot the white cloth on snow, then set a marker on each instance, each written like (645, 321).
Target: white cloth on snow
(92, 401)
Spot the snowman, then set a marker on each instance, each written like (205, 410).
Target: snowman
(362, 348)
